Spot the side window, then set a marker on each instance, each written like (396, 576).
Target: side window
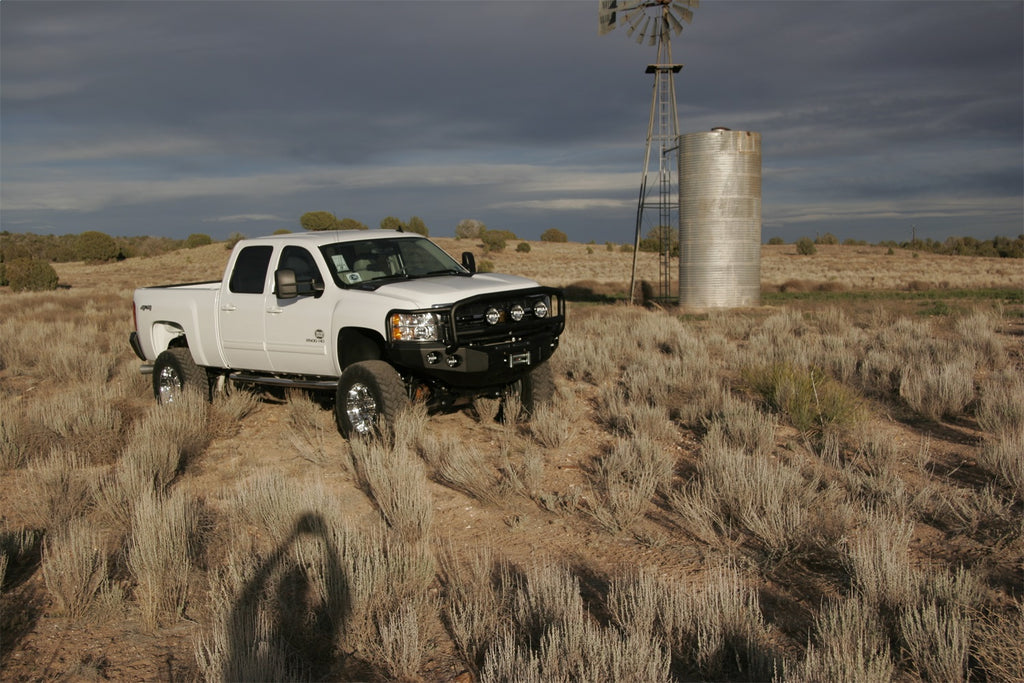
(307, 275)
(250, 271)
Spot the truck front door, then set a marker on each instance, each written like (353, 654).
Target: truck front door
(299, 329)
(243, 310)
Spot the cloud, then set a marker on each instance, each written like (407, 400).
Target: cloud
(180, 112)
(246, 218)
(566, 204)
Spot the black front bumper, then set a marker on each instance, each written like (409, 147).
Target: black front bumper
(478, 354)
(474, 367)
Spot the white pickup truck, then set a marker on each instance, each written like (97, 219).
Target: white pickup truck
(379, 317)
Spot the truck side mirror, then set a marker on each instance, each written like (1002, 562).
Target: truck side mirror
(285, 285)
(469, 261)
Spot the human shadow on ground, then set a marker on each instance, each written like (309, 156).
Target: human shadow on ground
(280, 626)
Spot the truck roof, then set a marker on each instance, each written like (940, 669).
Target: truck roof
(322, 237)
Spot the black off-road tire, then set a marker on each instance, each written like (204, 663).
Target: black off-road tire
(175, 372)
(534, 390)
(370, 395)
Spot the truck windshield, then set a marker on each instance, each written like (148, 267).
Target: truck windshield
(375, 261)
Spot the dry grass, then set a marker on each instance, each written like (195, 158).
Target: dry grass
(556, 424)
(748, 540)
(163, 543)
(312, 429)
(59, 488)
(849, 646)
(396, 481)
(473, 605)
(626, 478)
(75, 567)
(937, 639)
(879, 564)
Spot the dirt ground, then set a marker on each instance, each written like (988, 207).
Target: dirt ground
(41, 647)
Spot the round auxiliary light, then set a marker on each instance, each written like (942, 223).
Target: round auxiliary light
(540, 309)
(492, 316)
(517, 312)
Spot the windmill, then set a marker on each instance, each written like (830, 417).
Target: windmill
(655, 21)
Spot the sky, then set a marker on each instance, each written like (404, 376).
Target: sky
(879, 120)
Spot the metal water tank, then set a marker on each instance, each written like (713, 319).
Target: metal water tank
(720, 219)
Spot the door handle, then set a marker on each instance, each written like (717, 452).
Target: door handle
(275, 310)
(228, 307)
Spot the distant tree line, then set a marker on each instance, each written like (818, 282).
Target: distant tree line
(325, 220)
(91, 245)
(997, 247)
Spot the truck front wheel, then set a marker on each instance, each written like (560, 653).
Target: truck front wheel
(174, 372)
(369, 392)
(534, 389)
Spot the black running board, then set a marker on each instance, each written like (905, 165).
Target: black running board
(296, 383)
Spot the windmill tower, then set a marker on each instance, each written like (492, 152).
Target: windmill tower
(657, 21)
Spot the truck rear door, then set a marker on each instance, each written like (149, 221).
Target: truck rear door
(242, 311)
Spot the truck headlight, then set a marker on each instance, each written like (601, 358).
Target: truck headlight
(420, 327)
(540, 309)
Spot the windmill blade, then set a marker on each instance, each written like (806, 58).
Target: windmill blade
(688, 3)
(684, 13)
(659, 31)
(671, 19)
(634, 18)
(606, 16)
(643, 31)
(611, 13)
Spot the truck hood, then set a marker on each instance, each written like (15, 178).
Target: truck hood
(439, 291)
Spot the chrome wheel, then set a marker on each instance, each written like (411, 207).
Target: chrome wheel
(361, 408)
(168, 384)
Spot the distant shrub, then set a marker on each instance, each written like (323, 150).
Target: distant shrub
(3, 275)
(776, 240)
(351, 224)
(553, 235)
(827, 238)
(609, 246)
(95, 246)
(495, 240)
(484, 266)
(318, 220)
(417, 226)
(392, 223)
(658, 237)
(523, 247)
(469, 228)
(146, 246)
(805, 246)
(32, 275)
(197, 239)
(233, 239)
(282, 231)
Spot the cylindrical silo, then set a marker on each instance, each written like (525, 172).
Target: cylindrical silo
(720, 219)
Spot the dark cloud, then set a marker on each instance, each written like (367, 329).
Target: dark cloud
(169, 114)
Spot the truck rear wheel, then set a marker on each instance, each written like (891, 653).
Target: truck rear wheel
(175, 372)
(369, 393)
